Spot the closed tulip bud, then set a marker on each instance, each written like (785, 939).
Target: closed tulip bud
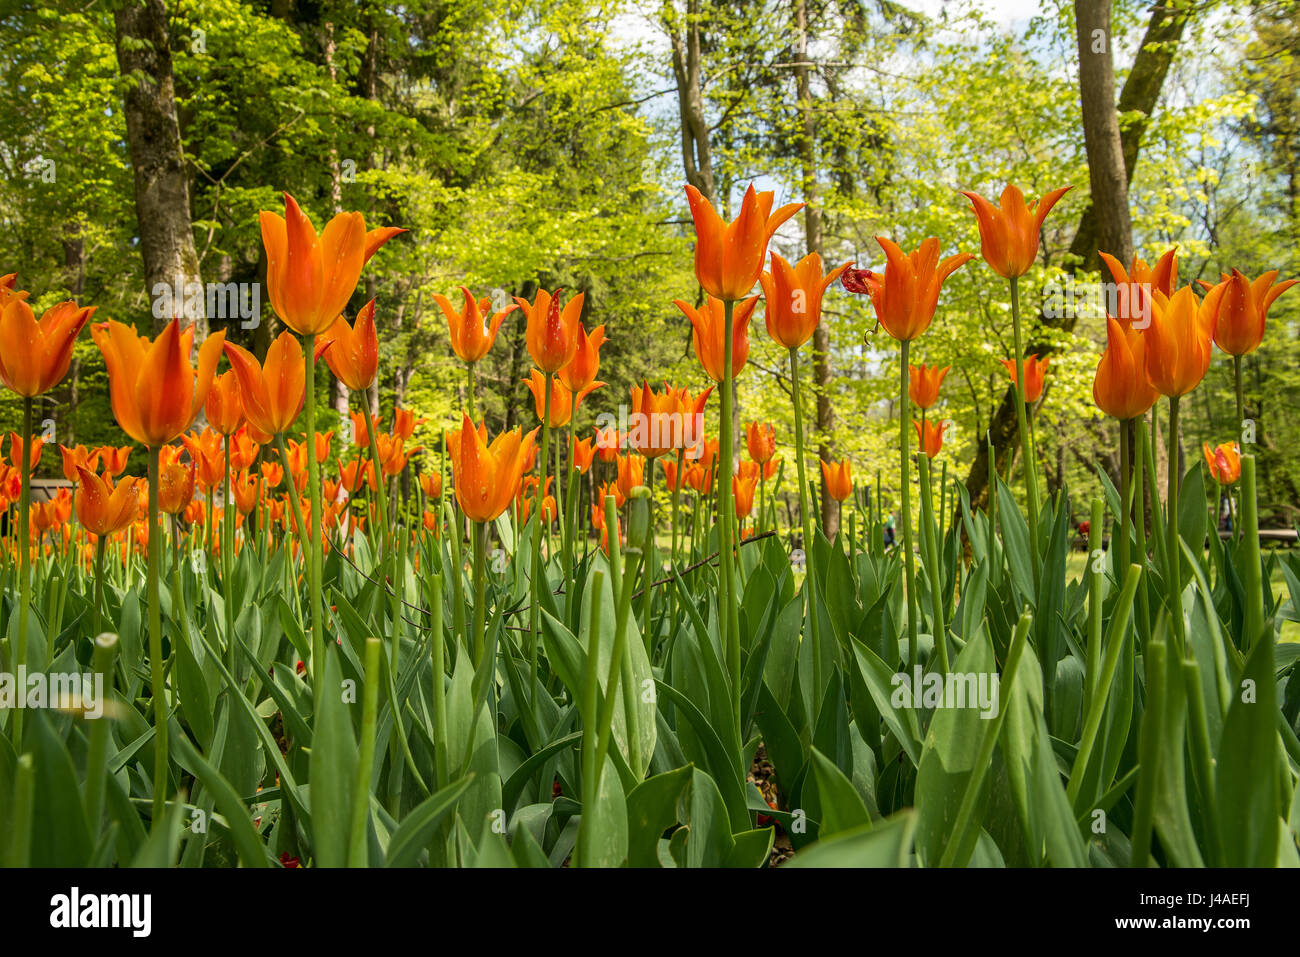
(709, 334)
(1035, 375)
(793, 298)
(923, 384)
(352, 352)
(1243, 310)
(34, 356)
(743, 488)
(761, 440)
(839, 479)
(223, 407)
(638, 518)
(930, 436)
(1178, 342)
(1120, 387)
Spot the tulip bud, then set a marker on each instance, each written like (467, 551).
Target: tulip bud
(638, 519)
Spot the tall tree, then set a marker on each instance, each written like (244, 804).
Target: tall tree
(162, 196)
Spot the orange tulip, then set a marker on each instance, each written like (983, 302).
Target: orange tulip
(631, 473)
(670, 474)
(310, 278)
(608, 443)
(906, 294)
(154, 390)
(404, 422)
(102, 508)
(729, 257)
(247, 492)
(208, 455)
(431, 482)
(761, 440)
(1224, 462)
(273, 392)
(839, 479)
(272, 473)
(243, 450)
(743, 487)
(352, 352)
(657, 422)
(487, 476)
(34, 356)
(431, 521)
(923, 384)
(584, 453)
(700, 476)
(1133, 301)
(18, 445)
(930, 436)
(353, 473)
(114, 458)
(1035, 373)
(793, 297)
(1009, 232)
(552, 333)
(224, 409)
(175, 481)
(1243, 309)
(563, 402)
(1120, 387)
(78, 458)
(323, 446)
(606, 490)
(528, 494)
(471, 333)
(582, 369)
(709, 334)
(1178, 341)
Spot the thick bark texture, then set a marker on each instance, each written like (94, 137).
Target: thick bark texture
(162, 197)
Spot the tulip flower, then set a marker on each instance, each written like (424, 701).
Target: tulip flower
(77, 458)
(102, 508)
(839, 479)
(527, 494)
(1120, 387)
(729, 257)
(352, 351)
(176, 482)
(247, 492)
(155, 392)
(34, 356)
(743, 487)
(608, 444)
(906, 294)
(1224, 462)
(114, 458)
(472, 333)
(243, 448)
(563, 402)
(487, 476)
(431, 483)
(273, 392)
(1178, 344)
(657, 427)
(708, 335)
(353, 473)
(923, 384)
(1009, 232)
(1243, 311)
(1035, 374)
(18, 445)
(224, 409)
(930, 436)
(582, 369)
(1138, 282)
(631, 474)
(761, 440)
(405, 422)
(552, 332)
(793, 296)
(309, 277)
(584, 453)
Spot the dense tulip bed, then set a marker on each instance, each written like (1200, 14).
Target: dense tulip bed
(297, 670)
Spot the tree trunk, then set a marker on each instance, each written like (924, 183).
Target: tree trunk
(697, 158)
(162, 196)
(1138, 98)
